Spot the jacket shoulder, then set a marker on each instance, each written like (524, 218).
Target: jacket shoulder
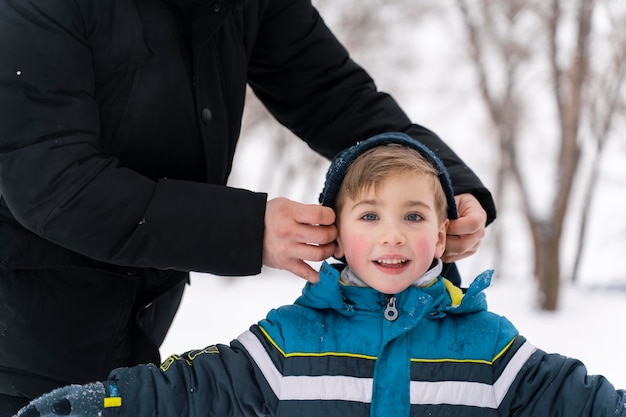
(480, 336)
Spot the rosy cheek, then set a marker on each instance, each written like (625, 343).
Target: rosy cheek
(355, 248)
(424, 246)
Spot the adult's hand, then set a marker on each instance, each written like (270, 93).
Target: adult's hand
(465, 233)
(295, 233)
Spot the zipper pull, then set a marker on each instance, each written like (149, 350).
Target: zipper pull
(391, 312)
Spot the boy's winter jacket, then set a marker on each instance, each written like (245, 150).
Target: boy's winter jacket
(334, 352)
(149, 94)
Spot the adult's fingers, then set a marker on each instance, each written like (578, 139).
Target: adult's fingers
(312, 214)
(288, 243)
(465, 234)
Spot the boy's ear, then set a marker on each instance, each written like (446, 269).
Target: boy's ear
(339, 253)
(440, 247)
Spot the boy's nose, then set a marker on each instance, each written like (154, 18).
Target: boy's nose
(393, 236)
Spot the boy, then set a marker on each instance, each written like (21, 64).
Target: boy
(384, 335)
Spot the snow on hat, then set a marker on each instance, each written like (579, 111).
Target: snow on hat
(345, 158)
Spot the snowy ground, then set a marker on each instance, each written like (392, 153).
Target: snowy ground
(590, 325)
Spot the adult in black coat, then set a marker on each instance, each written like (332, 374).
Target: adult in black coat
(119, 125)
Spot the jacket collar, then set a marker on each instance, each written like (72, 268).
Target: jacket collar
(348, 277)
(434, 301)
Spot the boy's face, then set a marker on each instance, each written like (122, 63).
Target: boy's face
(390, 237)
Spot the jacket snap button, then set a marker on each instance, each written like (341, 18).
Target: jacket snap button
(216, 7)
(206, 116)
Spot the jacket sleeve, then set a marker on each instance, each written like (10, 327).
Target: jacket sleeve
(308, 81)
(554, 385)
(217, 381)
(57, 183)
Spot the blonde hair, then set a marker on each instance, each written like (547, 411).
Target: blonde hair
(374, 166)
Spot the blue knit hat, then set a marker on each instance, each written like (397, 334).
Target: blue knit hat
(343, 160)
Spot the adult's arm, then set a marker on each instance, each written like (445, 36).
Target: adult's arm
(55, 180)
(308, 81)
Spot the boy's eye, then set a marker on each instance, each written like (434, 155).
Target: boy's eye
(369, 217)
(413, 217)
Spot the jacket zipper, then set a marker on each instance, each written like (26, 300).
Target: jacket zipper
(391, 312)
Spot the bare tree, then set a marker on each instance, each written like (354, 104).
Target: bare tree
(604, 108)
(506, 40)
(495, 45)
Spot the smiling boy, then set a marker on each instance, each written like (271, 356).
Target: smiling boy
(387, 234)
(382, 333)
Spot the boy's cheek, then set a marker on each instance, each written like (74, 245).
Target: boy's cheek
(423, 245)
(353, 247)
(428, 246)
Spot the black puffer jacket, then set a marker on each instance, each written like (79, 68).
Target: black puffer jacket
(120, 120)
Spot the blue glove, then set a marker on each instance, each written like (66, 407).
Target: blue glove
(73, 401)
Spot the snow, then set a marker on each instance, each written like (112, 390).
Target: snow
(590, 324)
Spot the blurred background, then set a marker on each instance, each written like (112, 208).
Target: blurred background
(532, 95)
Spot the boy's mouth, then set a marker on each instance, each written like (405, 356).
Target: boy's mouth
(391, 262)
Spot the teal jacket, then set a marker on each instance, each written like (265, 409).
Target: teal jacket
(337, 351)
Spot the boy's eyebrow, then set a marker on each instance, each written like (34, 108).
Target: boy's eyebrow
(376, 202)
(417, 203)
(370, 202)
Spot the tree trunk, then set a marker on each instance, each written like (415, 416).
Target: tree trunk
(547, 265)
